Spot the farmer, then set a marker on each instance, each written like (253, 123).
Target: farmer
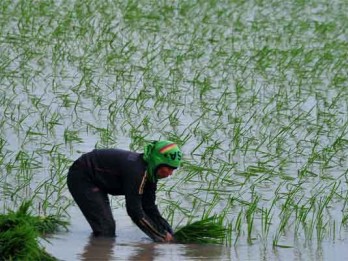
(119, 172)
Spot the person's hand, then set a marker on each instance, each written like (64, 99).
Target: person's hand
(169, 238)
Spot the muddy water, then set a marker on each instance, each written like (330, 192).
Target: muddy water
(132, 244)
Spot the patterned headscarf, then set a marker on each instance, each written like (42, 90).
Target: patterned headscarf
(163, 152)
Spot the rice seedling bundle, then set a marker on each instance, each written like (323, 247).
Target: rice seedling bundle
(208, 230)
(19, 232)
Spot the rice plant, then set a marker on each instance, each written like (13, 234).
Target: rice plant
(208, 230)
(19, 232)
(254, 92)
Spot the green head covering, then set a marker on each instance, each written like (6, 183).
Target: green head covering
(163, 152)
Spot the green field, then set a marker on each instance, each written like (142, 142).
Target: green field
(255, 93)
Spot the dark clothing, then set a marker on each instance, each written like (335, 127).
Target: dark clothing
(117, 172)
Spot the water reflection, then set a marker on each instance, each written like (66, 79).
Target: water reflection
(107, 249)
(178, 252)
(144, 252)
(98, 248)
(210, 252)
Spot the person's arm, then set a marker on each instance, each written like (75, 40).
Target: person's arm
(136, 212)
(151, 209)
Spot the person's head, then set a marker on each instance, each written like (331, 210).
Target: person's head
(162, 157)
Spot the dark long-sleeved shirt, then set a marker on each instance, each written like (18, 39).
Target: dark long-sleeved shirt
(121, 172)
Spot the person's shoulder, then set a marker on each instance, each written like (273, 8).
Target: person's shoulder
(133, 156)
(111, 150)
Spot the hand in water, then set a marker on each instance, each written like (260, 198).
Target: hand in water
(169, 238)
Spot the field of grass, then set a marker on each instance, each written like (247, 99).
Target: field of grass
(255, 93)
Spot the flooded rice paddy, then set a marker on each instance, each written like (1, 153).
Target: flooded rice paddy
(254, 92)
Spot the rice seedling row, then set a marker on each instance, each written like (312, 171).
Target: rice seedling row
(255, 94)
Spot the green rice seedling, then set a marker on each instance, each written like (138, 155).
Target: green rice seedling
(53, 121)
(320, 227)
(19, 232)
(43, 224)
(169, 210)
(301, 214)
(71, 136)
(309, 225)
(266, 222)
(323, 204)
(284, 220)
(49, 224)
(238, 226)
(250, 213)
(26, 162)
(20, 243)
(105, 135)
(344, 221)
(212, 204)
(177, 206)
(229, 234)
(209, 230)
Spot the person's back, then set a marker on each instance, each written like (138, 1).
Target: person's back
(114, 169)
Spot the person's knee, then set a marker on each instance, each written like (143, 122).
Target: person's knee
(106, 232)
(110, 229)
(106, 228)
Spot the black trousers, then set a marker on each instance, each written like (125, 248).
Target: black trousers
(93, 202)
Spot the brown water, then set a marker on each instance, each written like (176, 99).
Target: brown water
(132, 244)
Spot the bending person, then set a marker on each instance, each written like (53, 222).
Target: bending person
(101, 172)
